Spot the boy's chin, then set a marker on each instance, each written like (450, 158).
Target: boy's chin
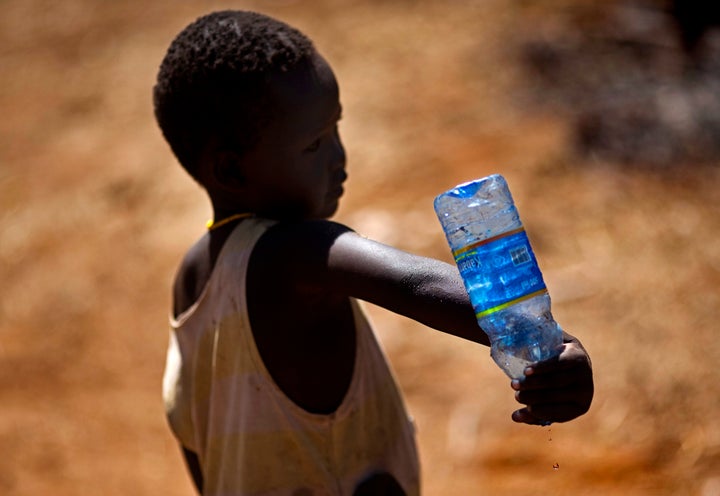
(331, 209)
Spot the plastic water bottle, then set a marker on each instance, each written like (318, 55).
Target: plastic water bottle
(500, 272)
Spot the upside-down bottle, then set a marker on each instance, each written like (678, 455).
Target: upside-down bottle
(500, 272)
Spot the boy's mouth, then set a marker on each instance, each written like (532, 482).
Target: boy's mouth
(337, 191)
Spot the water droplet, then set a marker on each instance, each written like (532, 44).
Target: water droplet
(556, 466)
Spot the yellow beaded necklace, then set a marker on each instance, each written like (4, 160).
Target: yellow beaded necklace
(211, 224)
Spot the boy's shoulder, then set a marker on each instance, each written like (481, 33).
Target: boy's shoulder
(303, 235)
(295, 250)
(287, 248)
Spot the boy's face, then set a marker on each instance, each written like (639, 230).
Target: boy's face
(297, 168)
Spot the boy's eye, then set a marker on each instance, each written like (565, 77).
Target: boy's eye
(313, 146)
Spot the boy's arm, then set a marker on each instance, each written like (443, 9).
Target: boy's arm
(322, 256)
(424, 289)
(327, 257)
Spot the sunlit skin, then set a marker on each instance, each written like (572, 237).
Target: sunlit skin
(299, 305)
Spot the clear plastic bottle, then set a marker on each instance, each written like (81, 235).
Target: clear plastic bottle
(500, 272)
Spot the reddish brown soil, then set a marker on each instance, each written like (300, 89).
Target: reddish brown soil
(95, 213)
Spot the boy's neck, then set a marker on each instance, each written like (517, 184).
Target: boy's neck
(225, 210)
(218, 222)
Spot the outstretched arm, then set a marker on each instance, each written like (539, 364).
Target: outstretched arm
(424, 289)
(330, 257)
(432, 292)
(322, 257)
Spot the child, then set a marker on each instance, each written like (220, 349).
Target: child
(274, 382)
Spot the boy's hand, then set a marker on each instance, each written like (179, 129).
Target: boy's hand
(555, 390)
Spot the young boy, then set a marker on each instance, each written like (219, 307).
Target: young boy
(274, 382)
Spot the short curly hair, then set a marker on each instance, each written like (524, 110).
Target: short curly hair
(212, 81)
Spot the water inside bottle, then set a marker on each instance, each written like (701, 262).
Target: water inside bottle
(521, 336)
(511, 364)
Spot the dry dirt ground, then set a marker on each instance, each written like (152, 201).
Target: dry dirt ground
(95, 214)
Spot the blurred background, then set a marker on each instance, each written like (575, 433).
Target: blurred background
(604, 116)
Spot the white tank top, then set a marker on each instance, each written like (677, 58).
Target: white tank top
(251, 439)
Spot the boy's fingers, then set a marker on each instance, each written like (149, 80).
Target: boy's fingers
(552, 380)
(523, 416)
(546, 414)
(557, 412)
(557, 390)
(548, 396)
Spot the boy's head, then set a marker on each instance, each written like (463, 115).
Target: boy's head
(212, 84)
(251, 110)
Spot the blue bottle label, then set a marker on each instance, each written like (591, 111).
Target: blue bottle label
(499, 272)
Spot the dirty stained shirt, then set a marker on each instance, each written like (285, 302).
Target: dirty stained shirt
(251, 439)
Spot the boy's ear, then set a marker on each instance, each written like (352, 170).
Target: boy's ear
(227, 169)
